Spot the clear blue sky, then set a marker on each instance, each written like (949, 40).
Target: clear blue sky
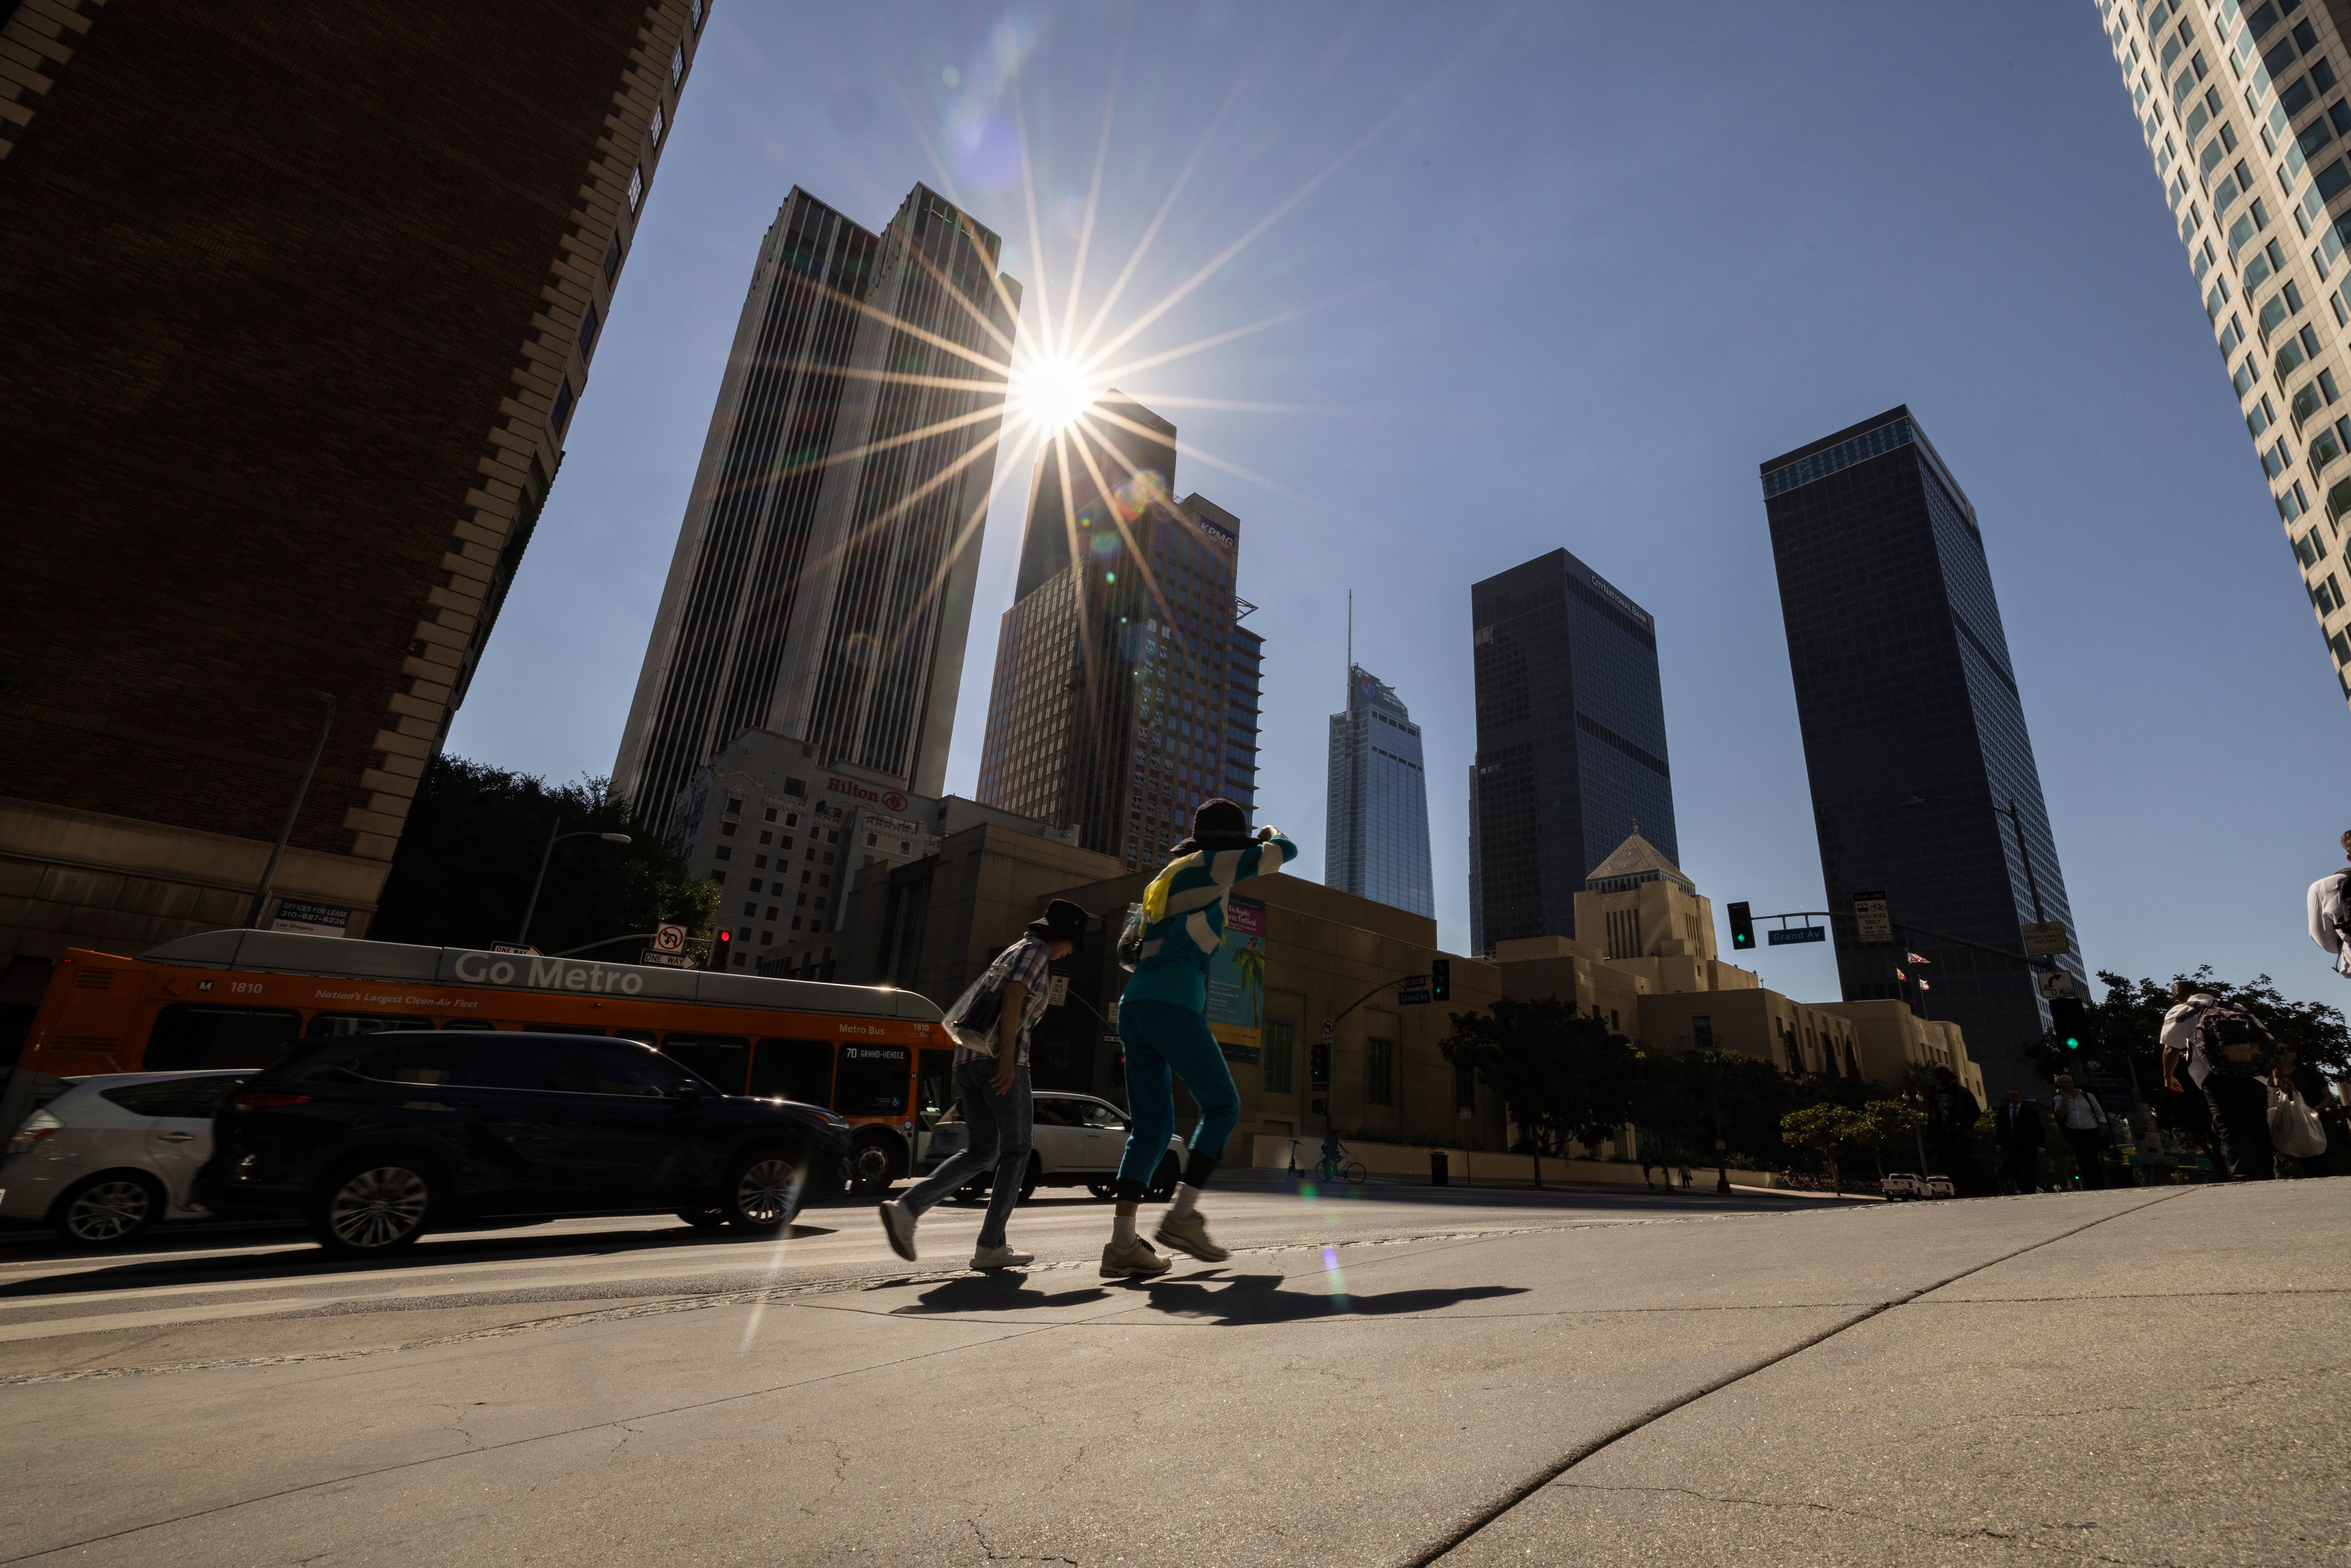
(1551, 276)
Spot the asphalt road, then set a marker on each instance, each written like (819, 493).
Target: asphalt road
(1383, 1375)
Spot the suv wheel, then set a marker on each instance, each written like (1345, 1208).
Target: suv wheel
(110, 1209)
(873, 1166)
(765, 1191)
(372, 1206)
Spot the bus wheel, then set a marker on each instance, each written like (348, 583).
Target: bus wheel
(873, 1166)
(371, 1207)
(108, 1210)
(765, 1191)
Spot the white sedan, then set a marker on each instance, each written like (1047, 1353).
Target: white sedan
(1075, 1139)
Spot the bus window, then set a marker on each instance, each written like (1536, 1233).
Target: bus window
(935, 1088)
(873, 1081)
(724, 1059)
(190, 1035)
(323, 1024)
(798, 1069)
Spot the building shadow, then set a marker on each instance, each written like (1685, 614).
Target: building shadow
(996, 1292)
(1256, 1299)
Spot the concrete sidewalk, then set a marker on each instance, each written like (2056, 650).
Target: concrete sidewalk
(2136, 1376)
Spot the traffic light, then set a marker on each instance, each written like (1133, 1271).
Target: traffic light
(1742, 926)
(2068, 1017)
(722, 945)
(1440, 980)
(1318, 1068)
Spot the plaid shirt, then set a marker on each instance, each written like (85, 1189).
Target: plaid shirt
(1025, 962)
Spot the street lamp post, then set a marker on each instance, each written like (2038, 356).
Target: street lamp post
(555, 836)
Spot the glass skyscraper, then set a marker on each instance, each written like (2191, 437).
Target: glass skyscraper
(1125, 691)
(2244, 118)
(1905, 691)
(1378, 817)
(822, 584)
(1570, 742)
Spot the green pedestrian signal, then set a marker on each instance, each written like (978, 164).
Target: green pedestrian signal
(1440, 980)
(1742, 926)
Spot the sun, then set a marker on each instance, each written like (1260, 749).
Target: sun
(1052, 392)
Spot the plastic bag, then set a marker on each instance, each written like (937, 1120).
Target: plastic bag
(971, 1023)
(2294, 1128)
(1130, 939)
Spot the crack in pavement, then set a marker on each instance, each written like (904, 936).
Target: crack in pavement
(996, 1556)
(1583, 1451)
(2022, 1536)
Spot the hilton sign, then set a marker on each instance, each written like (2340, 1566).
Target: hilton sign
(888, 800)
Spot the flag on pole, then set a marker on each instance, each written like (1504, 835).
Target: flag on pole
(1900, 976)
(1924, 986)
(1916, 958)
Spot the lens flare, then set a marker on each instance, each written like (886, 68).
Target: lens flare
(1052, 392)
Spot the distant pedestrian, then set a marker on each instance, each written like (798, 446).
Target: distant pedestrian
(2330, 913)
(2291, 1074)
(1163, 1024)
(2228, 1052)
(2083, 1121)
(1951, 1115)
(992, 1082)
(2016, 1127)
(1686, 1183)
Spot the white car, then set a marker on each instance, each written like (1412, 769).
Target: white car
(1899, 1184)
(113, 1155)
(1075, 1139)
(1940, 1186)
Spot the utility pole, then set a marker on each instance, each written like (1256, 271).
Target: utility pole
(278, 851)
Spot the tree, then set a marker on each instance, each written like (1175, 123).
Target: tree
(1890, 1126)
(1563, 1075)
(462, 872)
(1825, 1128)
(1685, 1099)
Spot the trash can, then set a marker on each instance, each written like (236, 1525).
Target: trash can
(1438, 1174)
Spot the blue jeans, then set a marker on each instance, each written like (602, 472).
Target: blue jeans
(999, 1141)
(1160, 1037)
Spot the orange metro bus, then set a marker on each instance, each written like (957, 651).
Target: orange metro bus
(874, 1056)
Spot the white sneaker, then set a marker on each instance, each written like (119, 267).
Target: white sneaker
(898, 1225)
(1001, 1258)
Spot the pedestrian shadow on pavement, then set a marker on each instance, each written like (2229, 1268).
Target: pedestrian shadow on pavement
(991, 1292)
(1254, 1299)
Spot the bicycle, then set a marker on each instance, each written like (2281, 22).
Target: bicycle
(1334, 1164)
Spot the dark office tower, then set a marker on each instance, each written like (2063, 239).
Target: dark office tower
(1245, 681)
(1115, 697)
(1904, 690)
(822, 588)
(1571, 742)
(301, 301)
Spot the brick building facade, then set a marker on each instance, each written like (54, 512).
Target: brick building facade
(302, 300)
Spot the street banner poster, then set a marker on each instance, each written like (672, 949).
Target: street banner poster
(1237, 981)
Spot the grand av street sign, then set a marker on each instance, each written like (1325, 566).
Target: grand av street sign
(1788, 934)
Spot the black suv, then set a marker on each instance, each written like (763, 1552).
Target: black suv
(376, 1138)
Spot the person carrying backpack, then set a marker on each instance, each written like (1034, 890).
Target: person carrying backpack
(2228, 1052)
(991, 1076)
(1164, 1026)
(2330, 913)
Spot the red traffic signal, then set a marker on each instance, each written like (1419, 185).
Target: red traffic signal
(722, 945)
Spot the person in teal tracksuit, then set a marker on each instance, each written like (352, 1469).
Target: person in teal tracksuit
(1163, 1024)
